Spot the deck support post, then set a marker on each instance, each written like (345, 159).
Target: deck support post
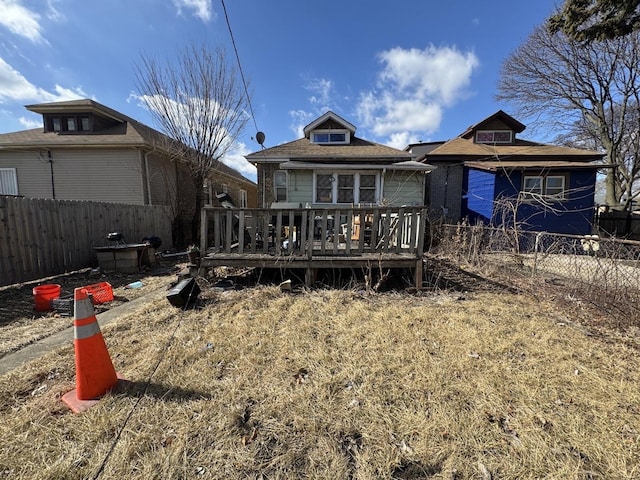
(418, 273)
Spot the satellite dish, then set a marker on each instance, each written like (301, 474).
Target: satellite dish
(260, 138)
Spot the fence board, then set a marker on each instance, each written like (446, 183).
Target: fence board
(42, 237)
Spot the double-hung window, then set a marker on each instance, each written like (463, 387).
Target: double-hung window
(346, 187)
(280, 185)
(544, 185)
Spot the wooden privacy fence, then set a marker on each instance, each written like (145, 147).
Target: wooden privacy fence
(43, 237)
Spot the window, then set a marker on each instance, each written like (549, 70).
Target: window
(494, 136)
(555, 186)
(84, 124)
(346, 187)
(532, 185)
(55, 124)
(8, 181)
(243, 198)
(71, 124)
(225, 188)
(330, 137)
(548, 186)
(280, 186)
(367, 189)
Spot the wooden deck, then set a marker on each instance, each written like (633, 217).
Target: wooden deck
(312, 239)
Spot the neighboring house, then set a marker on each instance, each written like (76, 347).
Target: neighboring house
(87, 151)
(487, 173)
(331, 167)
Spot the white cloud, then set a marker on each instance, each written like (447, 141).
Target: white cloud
(321, 88)
(300, 120)
(20, 20)
(200, 8)
(235, 159)
(401, 140)
(30, 122)
(414, 87)
(15, 87)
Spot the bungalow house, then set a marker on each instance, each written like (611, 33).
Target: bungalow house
(87, 151)
(330, 167)
(487, 172)
(329, 200)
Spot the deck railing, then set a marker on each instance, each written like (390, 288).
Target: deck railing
(310, 232)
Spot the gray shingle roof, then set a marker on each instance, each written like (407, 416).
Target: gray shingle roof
(358, 149)
(129, 133)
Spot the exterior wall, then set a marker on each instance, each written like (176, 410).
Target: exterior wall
(265, 183)
(102, 175)
(480, 196)
(32, 171)
(233, 187)
(445, 186)
(573, 215)
(300, 188)
(163, 182)
(404, 188)
(492, 196)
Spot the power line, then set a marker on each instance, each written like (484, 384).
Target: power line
(235, 49)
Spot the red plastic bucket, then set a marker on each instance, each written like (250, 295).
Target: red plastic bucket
(44, 294)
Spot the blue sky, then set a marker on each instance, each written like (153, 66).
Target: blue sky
(401, 72)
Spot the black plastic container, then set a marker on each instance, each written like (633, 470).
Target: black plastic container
(183, 293)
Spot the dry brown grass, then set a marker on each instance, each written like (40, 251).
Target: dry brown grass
(336, 384)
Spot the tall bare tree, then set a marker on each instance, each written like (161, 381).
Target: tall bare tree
(198, 101)
(589, 20)
(563, 84)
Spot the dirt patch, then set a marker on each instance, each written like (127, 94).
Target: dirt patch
(21, 324)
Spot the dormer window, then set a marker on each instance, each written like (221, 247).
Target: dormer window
(70, 123)
(330, 137)
(494, 136)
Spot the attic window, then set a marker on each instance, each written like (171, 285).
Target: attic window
(494, 136)
(329, 137)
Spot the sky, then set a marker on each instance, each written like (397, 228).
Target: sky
(402, 72)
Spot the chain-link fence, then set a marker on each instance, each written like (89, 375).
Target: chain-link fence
(599, 266)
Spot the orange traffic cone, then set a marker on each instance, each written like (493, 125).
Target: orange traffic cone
(95, 374)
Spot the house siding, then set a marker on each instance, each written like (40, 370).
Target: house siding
(32, 171)
(573, 215)
(480, 196)
(95, 175)
(300, 187)
(403, 188)
(163, 181)
(113, 175)
(445, 190)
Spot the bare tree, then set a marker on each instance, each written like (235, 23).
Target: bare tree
(198, 101)
(562, 84)
(589, 20)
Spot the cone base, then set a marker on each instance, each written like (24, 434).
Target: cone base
(79, 406)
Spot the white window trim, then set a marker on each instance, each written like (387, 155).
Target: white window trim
(8, 181)
(243, 198)
(286, 186)
(494, 132)
(356, 186)
(347, 138)
(543, 186)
